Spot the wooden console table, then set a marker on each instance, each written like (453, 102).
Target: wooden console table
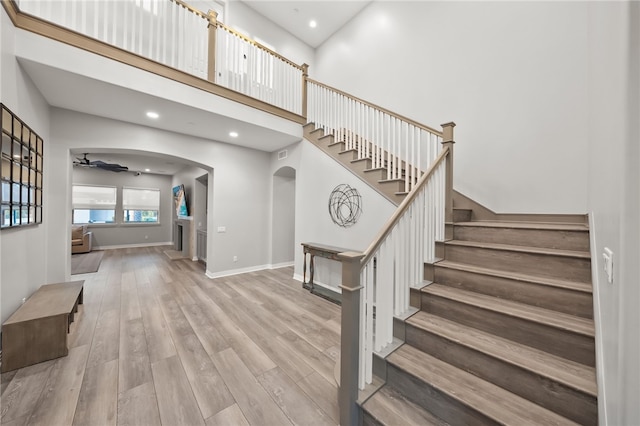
(38, 330)
(327, 252)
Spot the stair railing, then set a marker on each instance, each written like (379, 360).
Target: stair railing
(376, 284)
(399, 145)
(246, 66)
(180, 36)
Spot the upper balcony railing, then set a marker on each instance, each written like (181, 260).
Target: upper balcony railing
(177, 35)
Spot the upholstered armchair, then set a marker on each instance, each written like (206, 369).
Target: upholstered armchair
(80, 239)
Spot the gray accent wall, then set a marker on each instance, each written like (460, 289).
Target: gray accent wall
(119, 234)
(23, 251)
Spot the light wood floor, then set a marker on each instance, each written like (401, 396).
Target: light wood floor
(156, 342)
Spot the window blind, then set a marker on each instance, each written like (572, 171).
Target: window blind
(140, 199)
(94, 197)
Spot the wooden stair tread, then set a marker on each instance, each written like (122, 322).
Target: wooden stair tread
(521, 249)
(559, 320)
(552, 226)
(551, 282)
(572, 374)
(493, 401)
(389, 407)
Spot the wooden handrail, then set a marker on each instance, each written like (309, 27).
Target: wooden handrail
(236, 33)
(386, 111)
(191, 9)
(258, 45)
(402, 208)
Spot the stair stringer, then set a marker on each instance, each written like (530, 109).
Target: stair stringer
(392, 190)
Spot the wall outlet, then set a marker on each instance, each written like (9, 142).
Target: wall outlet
(24, 299)
(222, 229)
(235, 258)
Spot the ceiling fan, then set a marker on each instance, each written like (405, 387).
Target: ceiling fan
(84, 162)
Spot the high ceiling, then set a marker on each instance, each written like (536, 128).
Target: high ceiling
(66, 90)
(295, 15)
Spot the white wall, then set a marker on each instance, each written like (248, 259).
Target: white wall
(614, 199)
(24, 256)
(106, 235)
(317, 175)
(239, 201)
(512, 75)
(254, 25)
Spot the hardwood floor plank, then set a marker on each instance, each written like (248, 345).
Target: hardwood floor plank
(231, 416)
(98, 400)
(255, 403)
(333, 352)
(5, 379)
(266, 337)
(176, 403)
(322, 393)
(159, 342)
(209, 335)
(57, 403)
(23, 391)
(135, 365)
(187, 328)
(301, 349)
(106, 340)
(138, 406)
(209, 389)
(250, 353)
(20, 421)
(300, 409)
(130, 306)
(83, 328)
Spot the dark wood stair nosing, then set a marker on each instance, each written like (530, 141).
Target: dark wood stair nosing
(415, 322)
(521, 277)
(516, 312)
(520, 249)
(468, 384)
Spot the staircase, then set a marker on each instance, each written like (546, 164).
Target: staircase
(391, 189)
(504, 333)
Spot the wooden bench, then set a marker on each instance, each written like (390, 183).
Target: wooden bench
(38, 330)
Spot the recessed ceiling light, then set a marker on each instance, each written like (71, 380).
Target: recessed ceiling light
(153, 115)
(233, 134)
(147, 170)
(313, 24)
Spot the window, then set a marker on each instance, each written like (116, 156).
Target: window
(94, 204)
(140, 205)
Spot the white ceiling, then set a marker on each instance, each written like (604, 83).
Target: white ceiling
(294, 16)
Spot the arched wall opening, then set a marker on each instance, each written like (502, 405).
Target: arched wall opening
(283, 217)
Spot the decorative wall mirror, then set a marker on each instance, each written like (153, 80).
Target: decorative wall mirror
(20, 173)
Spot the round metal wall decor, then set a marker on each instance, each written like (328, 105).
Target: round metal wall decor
(345, 205)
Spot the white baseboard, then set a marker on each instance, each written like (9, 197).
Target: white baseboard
(230, 272)
(121, 246)
(281, 265)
